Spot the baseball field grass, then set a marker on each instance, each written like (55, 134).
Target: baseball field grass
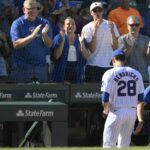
(77, 148)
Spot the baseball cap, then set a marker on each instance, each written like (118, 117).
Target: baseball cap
(117, 52)
(30, 3)
(95, 4)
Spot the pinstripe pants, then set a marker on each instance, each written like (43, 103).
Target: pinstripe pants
(118, 127)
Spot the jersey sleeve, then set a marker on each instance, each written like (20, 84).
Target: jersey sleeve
(106, 82)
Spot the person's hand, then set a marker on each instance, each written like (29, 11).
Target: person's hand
(138, 128)
(45, 29)
(62, 35)
(36, 30)
(96, 23)
(129, 42)
(111, 25)
(81, 37)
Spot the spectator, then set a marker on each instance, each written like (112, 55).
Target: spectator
(4, 51)
(58, 17)
(5, 37)
(83, 19)
(6, 16)
(102, 36)
(136, 47)
(31, 41)
(19, 4)
(74, 8)
(120, 15)
(86, 3)
(69, 54)
(146, 19)
(106, 8)
(61, 12)
(48, 7)
(10, 11)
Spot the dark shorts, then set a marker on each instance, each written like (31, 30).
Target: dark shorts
(94, 73)
(25, 76)
(71, 73)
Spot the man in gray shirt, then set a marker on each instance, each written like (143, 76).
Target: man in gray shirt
(136, 47)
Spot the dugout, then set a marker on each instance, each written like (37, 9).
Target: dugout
(55, 113)
(85, 120)
(34, 98)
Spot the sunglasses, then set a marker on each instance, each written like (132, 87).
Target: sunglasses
(134, 25)
(97, 10)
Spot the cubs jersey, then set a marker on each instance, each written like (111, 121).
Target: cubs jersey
(124, 86)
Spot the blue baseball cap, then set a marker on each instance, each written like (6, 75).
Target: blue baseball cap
(117, 52)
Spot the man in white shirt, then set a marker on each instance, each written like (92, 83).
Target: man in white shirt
(102, 37)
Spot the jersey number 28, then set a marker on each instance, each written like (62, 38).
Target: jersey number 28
(127, 88)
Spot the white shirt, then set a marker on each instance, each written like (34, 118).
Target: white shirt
(102, 56)
(72, 54)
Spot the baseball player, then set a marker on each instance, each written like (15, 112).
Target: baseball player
(147, 95)
(122, 98)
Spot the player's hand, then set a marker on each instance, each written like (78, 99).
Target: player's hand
(138, 128)
(45, 29)
(104, 114)
(35, 31)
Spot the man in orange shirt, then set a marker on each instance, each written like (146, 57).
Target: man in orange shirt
(120, 15)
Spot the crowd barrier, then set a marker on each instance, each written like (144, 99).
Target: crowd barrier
(75, 111)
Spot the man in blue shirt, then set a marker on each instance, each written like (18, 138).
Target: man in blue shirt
(31, 40)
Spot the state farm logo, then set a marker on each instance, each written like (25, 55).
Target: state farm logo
(40, 95)
(78, 95)
(87, 95)
(28, 95)
(20, 113)
(5, 95)
(34, 113)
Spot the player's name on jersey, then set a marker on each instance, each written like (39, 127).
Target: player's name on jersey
(124, 74)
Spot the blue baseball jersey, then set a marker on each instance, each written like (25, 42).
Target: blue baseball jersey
(124, 87)
(147, 95)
